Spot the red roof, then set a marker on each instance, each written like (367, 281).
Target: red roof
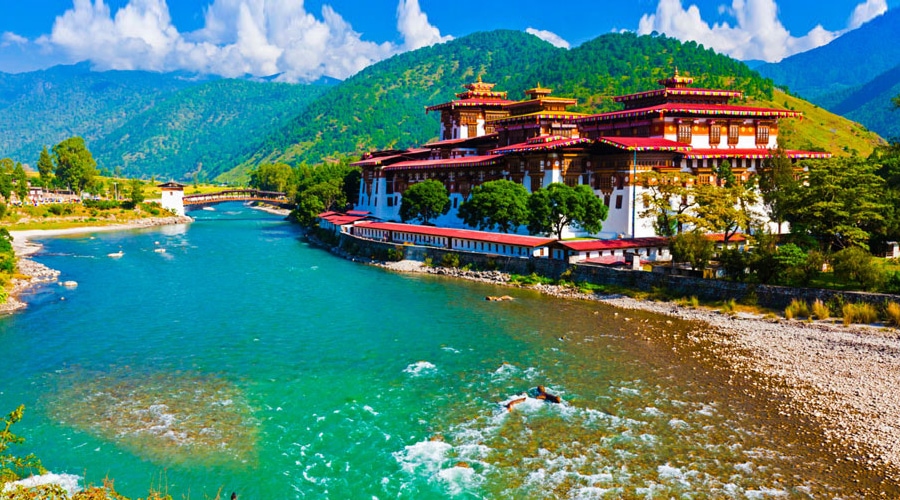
(379, 160)
(456, 142)
(339, 219)
(693, 109)
(470, 103)
(720, 238)
(736, 94)
(644, 144)
(467, 234)
(596, 245)
(462, 161)
(532, 145)
(358, 212)
(758, 153)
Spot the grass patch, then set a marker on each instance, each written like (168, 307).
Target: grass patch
(820, 310)
(859, 313)
(892, 311)
(797, 309)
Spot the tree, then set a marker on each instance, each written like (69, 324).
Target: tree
(667, 198)
(272, 177)
(45, 167)
(136, 192)
(21, 181)
(856, 264)
(559, 205)
(778, 186)
(317, 199)
(502, 204)
(842, 204)
(724, 209)
(75, 166)
(424, 201)
(7, 166)
(692, 247)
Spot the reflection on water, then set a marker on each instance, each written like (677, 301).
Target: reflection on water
(169, 417)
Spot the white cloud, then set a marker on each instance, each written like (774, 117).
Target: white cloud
(239, 37)
(757, 34)
(9, 38)
(549, 37)
(413, 24)
(866, 11)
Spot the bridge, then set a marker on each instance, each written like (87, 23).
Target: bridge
(270, 197)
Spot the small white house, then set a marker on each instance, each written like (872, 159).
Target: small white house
(173, 197)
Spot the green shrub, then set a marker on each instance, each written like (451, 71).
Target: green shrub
(395, 254)
(450, 260)
(797, 309)
(859, 313)
(428, 262)
(729, 306)
(892, 311)
(856, 265)
(820, 310)
(101, 204)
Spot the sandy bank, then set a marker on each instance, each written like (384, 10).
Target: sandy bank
(845, 378)
(36, 273)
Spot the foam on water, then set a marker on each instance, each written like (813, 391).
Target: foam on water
(420, 368)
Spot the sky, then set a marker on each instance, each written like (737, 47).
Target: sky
(304, 40)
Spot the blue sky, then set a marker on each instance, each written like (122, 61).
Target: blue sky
(303, 41)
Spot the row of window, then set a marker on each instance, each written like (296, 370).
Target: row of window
(685, 134)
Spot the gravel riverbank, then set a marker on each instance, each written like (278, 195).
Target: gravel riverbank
(845, 378)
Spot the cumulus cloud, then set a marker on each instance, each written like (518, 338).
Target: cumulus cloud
(867, 11)
(9, 38)
(549, 37)
(238, 37)
(757, 34)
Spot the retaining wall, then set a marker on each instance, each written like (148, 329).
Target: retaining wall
(774, 297)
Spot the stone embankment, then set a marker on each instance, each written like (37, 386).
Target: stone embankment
(845, 378)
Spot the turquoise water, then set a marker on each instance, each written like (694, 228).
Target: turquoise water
(242, 359)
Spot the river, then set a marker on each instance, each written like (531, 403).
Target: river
(229, 355)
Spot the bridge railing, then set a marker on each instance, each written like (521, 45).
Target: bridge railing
(236, 195)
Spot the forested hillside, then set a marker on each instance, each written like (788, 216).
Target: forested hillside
(45, 107)
(383, 106)
(202, 131)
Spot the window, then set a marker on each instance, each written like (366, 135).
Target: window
(619, 202)
(734, 133)
(684, 133)
(762, 134)
(715, 135)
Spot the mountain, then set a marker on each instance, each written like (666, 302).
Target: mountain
(202, 130)
(383, 105)
(849, 61)
(43, 108)
(855, 76)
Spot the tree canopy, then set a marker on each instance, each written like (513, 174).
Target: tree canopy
(500, 204)
(75, 166)
(558, 205)
(424, 201)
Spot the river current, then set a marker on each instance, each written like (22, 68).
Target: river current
(229, 355)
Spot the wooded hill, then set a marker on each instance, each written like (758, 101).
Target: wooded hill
(172, 127)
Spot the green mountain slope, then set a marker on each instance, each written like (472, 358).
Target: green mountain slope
(202, 130)
(45, 107)
(871, 104)
(852, 60)
(383, 106)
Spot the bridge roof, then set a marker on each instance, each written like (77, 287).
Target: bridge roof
(467, 234)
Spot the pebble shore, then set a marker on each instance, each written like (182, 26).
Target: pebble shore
(846, 378)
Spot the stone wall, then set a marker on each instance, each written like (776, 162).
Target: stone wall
(774, 297)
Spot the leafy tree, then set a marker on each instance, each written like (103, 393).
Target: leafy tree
(667, 197)
(11, 466)
(855, 264)
(45, 167)
(734, 262)
(7, 166)
(75, 166)
(272, 177)
(317, 199)
(778, 186)
(842, 204)
(136, 192)
(424, 201)
(692, 247)
(723, 210)
(21, 180)
(502, 204)
(553, 208)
